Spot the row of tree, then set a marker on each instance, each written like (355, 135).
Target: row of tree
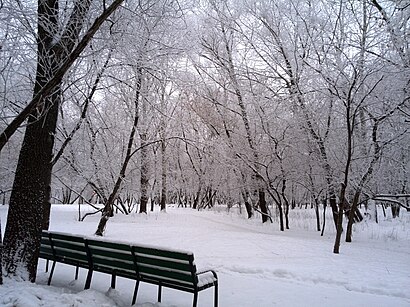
(259, 103)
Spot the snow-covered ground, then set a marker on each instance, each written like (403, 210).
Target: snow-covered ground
(257, 265)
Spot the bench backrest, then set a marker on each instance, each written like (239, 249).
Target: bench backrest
(46, 249)
(166, 267)
(64, 248)
(160, 266)
(111, 257)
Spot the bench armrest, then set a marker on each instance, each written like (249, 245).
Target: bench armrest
(212, 271)
(207, 279)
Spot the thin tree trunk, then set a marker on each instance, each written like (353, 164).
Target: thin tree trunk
(144, 181)
(317, 215)
(324, 217)
(163, 159)
(108, 207)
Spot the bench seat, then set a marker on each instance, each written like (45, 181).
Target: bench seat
(162, 267)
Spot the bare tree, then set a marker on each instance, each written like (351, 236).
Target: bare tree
(57, 50)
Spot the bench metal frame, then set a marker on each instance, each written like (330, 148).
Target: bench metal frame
(161, 267)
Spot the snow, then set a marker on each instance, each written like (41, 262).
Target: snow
(257, 265)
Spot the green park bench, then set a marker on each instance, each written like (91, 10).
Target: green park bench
(161, 267)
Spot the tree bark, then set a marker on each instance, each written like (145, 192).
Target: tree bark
(30, 198)
(108, 207)
(163, 200)
(248, 206)
(263, 206)
(144, 181)
(31, 187)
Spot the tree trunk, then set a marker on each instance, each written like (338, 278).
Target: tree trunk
(1, 255)
(263, 206)
(29, 201)
(108, 207)
(339, 225)
(281, 223)
(196, 198)
(144, 182)
(324, 217)
(395, 210)
(31, 187)
(248, 206)
(317, 214)
(164, 174)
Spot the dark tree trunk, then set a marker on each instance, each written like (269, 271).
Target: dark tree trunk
(144, 181)
(395, 211)
(263, 206)
(196, 198)
(339, 225)
(324, 217)
(317, 214)
(287, 215)
(29, 201)
(1, 253)
(281, 222)
(335, 211)
(248, 206)
(285, 199)
(354, 215)
(164, 176)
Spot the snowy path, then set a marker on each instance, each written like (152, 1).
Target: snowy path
(257, 264)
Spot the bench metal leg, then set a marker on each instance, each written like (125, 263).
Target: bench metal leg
(76, 272)
(216, 295)
(113, 278)
(159, 293)
(134, 298)
(195, 299)
(51, 273)
(47, 265)
(88, 280)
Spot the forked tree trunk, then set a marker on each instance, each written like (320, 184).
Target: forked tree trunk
(31, 187)
(29, 201)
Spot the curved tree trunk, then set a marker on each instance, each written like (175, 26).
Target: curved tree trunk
(29, 202)
(31, 188)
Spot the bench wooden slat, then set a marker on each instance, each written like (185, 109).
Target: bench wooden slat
(67, 254)
(109, 245)
(168, 282)
(162, 253)
(168, 268)
(169, 263)
(112, 258)
(161, 273)
(112, 264)
(111, 253)
(46, 249)
(65, 237)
